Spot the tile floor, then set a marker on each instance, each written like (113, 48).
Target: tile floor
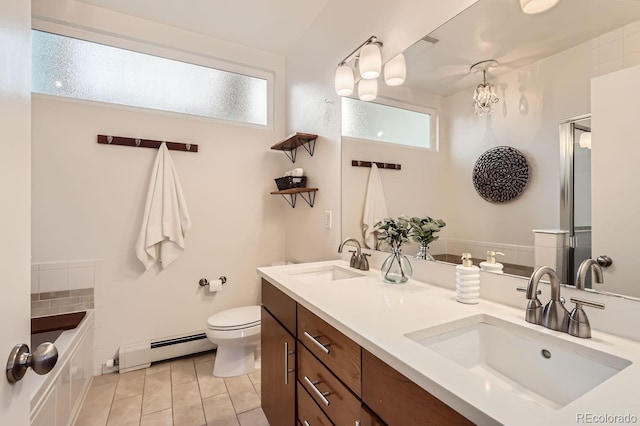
(180, 392)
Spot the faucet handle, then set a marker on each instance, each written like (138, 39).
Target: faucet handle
(579, 302)
(364, 263)
(352, 262)
(524, 290)
(578, 322)
(533, 313)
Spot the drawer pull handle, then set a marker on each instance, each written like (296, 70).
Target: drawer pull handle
(306, 423)
(314, 339)
(321, 395)
(287, 370)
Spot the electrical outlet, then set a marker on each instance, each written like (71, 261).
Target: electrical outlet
(327, 219)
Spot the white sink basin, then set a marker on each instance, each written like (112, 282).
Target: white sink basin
(535, 366)
(320, 273)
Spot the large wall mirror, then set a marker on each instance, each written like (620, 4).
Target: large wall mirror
(579, 59)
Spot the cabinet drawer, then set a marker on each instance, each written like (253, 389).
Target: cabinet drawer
(334, 349)
(309, 414)
(281, 306)
(399, 401)
(339, 404)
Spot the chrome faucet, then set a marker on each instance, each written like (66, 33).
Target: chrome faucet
(578, 321)
(554, 315)
(585, 267)
(359, 259)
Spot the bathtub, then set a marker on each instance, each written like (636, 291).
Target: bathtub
(56, 397)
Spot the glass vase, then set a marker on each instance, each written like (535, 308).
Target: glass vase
(423, 253)
(396, 269)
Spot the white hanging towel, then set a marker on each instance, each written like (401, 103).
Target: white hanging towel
(375, 207)
(166, 218)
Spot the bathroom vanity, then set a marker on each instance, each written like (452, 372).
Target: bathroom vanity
(340, 346)
(306, 357)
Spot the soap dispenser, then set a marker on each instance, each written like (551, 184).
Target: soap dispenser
(490, 265)
(467, 281)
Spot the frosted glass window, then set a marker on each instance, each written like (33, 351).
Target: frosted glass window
(69, 67)
(367, 120)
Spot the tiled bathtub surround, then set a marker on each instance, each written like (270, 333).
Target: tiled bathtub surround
(59, 276)
(61, 302)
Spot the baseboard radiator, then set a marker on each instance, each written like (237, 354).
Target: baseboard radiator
(136, 356)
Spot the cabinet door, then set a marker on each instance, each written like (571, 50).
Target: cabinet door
(399, 401)
(278, 372)
(369, 418)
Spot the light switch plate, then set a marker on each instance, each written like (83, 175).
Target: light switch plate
(327, 219)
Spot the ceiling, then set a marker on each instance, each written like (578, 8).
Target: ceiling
(497, 29)
(273, 25)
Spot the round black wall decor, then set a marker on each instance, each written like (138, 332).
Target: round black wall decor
(501, 174)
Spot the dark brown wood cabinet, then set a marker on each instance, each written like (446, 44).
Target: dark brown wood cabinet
(278, 386)
(312, 374)
(340, 354)
(399, 401)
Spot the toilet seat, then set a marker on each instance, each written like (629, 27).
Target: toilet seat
(235, 319)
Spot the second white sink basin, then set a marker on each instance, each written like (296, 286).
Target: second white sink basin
(536, 366)
(325, 273)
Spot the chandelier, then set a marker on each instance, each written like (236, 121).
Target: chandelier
(485, 94)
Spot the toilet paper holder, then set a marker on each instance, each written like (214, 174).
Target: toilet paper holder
(204, 282)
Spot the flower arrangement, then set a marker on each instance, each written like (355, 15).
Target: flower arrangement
(423, 228)
(394, 232)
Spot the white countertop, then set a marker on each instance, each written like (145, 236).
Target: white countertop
(377, 315)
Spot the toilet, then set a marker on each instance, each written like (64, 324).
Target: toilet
(236, 332)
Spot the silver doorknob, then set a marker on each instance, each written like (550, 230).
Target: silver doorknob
(42, 360)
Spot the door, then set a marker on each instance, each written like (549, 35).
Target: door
(15, 192)
(278, 372)
(575, 200)
(615, 152)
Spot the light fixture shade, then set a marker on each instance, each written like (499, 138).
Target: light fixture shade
(585, 140)
(344, 80)
(395, 71)
(367, 90)
(370, 61)
(532, 7)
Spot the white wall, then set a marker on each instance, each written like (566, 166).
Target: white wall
(88, 198)
(414, 181)
(533, 100)
(614, 177)
(313, 105)
(15, 177)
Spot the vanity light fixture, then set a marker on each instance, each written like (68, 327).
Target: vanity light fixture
(485, 94)
(344, 80)
(367, 59)
(531, 7)
(395, 71)
(367, 90)
(370, 60)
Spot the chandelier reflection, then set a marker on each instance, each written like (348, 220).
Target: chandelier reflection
(485, 95)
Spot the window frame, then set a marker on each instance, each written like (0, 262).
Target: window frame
(165, 52)
(434, 139)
